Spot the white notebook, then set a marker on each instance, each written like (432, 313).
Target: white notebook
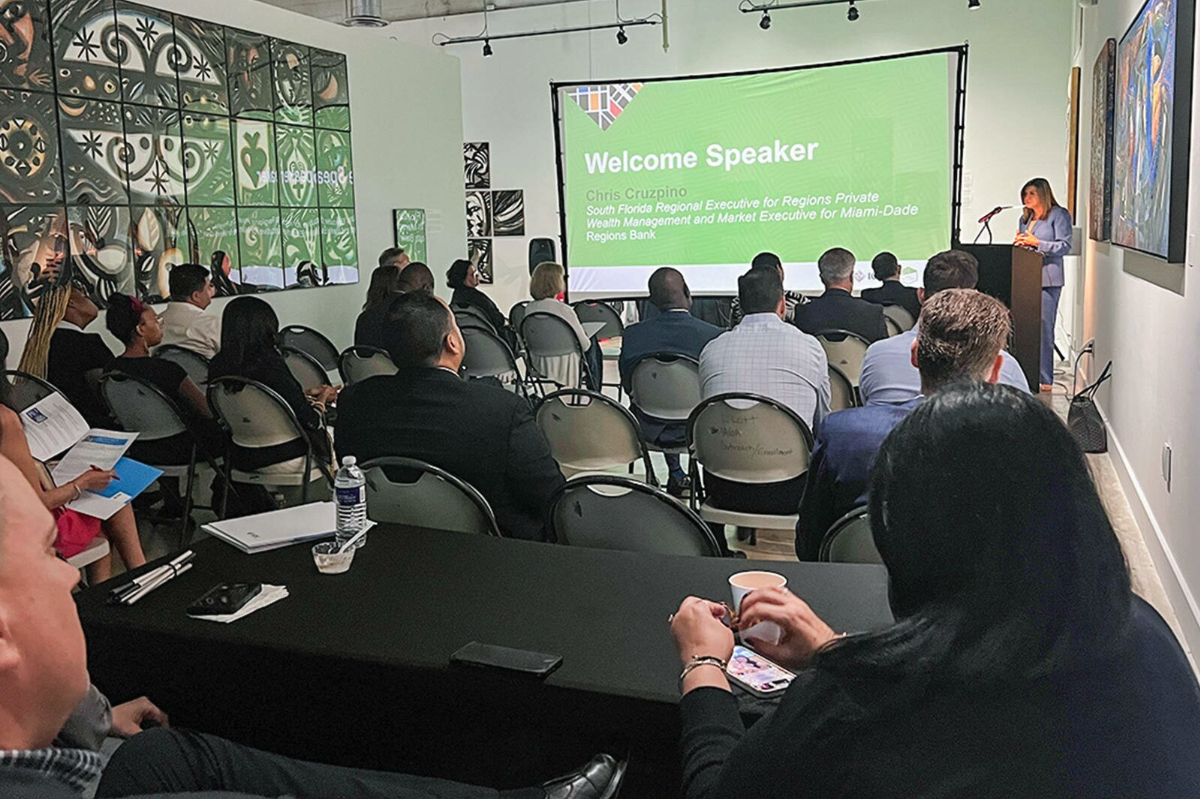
(263, 532)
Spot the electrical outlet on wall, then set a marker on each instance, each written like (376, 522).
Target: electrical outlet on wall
(1191, 250)
(1166, 465)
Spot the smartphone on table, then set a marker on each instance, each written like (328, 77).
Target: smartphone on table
(756, 674)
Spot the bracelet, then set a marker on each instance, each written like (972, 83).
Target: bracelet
(697, 662)
(78, 490)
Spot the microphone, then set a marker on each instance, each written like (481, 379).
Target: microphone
(987, 217)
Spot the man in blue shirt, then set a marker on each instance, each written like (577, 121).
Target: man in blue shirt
(888, 374)
(961, 337)
(674, 331)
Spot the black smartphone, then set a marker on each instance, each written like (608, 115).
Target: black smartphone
(489, 656)
(224, 599)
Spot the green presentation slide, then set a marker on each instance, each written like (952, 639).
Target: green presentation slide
(703, 173)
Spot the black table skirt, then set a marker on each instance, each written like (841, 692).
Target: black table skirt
(354, 669)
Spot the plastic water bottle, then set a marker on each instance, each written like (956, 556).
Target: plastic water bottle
(350, 492)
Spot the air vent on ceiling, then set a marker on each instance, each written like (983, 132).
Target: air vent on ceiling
(364, 14)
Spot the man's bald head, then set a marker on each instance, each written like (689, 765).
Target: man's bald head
(669, 291)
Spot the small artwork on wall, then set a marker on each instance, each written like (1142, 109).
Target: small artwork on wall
(480, 253)
(477, 165)
(1103, 100)
(479, 214)
(1073, 139)
(508, 212)
(410, 232)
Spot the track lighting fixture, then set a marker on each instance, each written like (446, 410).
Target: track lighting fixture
(852, 14)
(621, 37)
(765, 22)
(487, 48)
(973, 4)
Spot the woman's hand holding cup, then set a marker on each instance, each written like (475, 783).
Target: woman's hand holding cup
(803, 631)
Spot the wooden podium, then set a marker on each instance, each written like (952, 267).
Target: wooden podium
(1013, 275)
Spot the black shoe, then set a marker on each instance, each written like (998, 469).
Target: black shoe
(680, 488)
(599, 779)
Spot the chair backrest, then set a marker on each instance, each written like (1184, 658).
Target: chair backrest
(466, 321)
(841, 390)
(140, 407)
(24, 389)
(614, 512)
(900, 315)
(547, 335)
(312, 342)
(360, 362)
(305, 368)
(747, 438)
(471, 312)
(665, 386)
(517, 313)
(849, 540)
(195, 364)
(597, 311)
(589, 432)
(253, 414)
(487, 356)
(409, 491)
(845, 350)
(893, 327)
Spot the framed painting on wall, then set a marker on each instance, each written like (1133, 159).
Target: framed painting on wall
(1101, 169)
(1073, 139)
(409, 224)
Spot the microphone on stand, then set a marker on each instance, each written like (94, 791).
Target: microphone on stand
(983, 220)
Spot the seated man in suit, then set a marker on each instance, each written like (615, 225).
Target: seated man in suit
(962, 333)
(764, 355)
(791, 299)
(45, 693)
(836, 309)
(888, 374)
(892, 292)
(673, 331)
(478, 432)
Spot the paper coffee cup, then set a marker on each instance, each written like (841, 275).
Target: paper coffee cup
(743, 583)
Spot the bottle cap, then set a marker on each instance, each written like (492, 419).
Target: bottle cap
(349, 460)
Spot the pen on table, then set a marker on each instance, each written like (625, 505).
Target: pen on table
(165, 578)
(137, 582)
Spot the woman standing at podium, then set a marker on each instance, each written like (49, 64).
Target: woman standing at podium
(1047, 227)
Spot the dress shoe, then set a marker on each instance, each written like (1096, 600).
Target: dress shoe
(599, 779)
(680, 488)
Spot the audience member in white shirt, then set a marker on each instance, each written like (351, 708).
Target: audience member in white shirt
(765, 355)
(186, 322)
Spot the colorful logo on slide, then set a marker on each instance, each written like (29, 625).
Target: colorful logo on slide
(605, 103)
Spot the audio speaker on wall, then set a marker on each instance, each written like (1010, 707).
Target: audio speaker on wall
(540, 250)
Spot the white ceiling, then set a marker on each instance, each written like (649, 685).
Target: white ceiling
(335, 10)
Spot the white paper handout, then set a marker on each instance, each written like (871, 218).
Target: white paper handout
(263, 532)
(52, 425)
(99, 449)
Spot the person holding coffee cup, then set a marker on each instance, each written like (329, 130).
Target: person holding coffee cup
(1020, 662)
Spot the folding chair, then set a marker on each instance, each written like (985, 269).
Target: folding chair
(361, 362)
(313, 342)
(589, 432)
(413, 492)
(849, 540)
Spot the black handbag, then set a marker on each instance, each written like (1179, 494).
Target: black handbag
(1083, 418)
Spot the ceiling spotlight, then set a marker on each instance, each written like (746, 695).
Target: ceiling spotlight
(973, 4)
(621, 37)
(765, 22)
(487, 48)
(852, 14)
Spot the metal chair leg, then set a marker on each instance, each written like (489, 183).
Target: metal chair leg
(185, 522)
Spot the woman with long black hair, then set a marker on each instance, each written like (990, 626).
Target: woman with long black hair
(1020, 664)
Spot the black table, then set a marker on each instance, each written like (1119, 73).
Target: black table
(354, 668)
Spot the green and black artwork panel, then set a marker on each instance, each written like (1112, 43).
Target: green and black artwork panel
(147, 51)
(331, 90)
(259, 242)
(201, 66)
(292, 82)
(248, 74)
(297, 159)
(94, 152)
(214, 236)
(208, 159)
(101, 248)
(33, 236)
(25, 45)
(160, 242)
(154, 155)
(339, 245)
(30, 170)
(302, 263)
(335, 170)
(254, 163)
(86, 47)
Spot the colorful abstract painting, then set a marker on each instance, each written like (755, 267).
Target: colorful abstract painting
(133, 139)
(1144, 135)
(1101, 169)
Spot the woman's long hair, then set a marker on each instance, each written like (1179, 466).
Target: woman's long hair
(1004, 566)
(1042, 187)
(51, 308)
(249, 336)
(384, 285)
(456, 275)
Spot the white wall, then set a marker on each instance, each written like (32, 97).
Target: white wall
(1016, 94)
(406, 128)
(1149, 333)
